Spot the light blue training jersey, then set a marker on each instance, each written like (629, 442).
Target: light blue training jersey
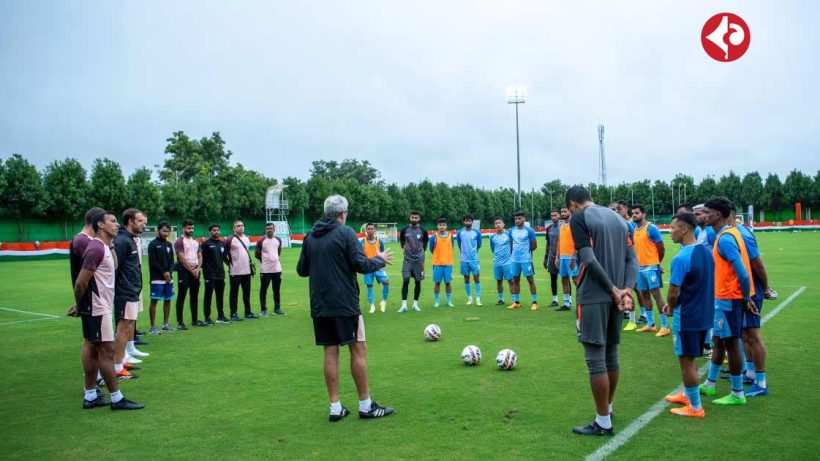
(521, 238)
(501, 245)
(469, 241)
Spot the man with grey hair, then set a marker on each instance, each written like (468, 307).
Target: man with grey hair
(330, 258)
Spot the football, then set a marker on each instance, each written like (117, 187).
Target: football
(471, 355)
(506, 359)
(432, 332)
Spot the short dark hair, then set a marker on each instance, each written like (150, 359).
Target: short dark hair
(555, 210)
(269, 223)
(686, 218)
(90, 214)
(98, 218)
(638, 206)
(498, 218)
(686, 206)
(130, 214)
(441, 221)
(211, 227)
(163, 224)
(239, 220)
(369, 224)
(415, 212)
(468, 216)
(578, 194)
(187, 222)
(565, 208)
(721, 204)
(621, 203)
(519, 213)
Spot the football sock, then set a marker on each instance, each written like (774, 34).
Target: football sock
(118, 367)
(694, 397)
(709, 337)
(437, 296)
(335, 408)
(90, 395)
(650, 318)
(604, 421)
(116, 396)
(567, 299)
(632, 316)
(760, 379)
(534, 297)
(477, 290)
(416, 291)
(663, 321)
(385, 292)
(714, 372)
(610, 408)
(555, 298)
(643, 311)
(364, 405)
(370, 296)
(742, 355)
(415, 303)
(448, 296)
(501, 296)
(750, 369)
(737, 385)
(516, 297)
(467, 290)
(404, 303)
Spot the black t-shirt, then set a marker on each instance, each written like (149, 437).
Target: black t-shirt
(213, 252)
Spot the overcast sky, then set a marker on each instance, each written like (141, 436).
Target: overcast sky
(417, 88)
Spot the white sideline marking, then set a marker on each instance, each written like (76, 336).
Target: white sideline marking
(52, 316)
(25, 321)
(623, 436)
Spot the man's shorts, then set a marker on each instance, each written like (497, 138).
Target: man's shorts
(380, 276)
(132, 310)
(564, 267)
(649, 278)
(728, 323)
(470, 267)
(413, 269)
(689, 343)
(599, 323)
(442, 274)
(338, 331)
(98, 328)
(751, 321)
(162, 291)
(503, 272)
(518, 268)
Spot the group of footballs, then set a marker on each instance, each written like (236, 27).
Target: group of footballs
(471, 355)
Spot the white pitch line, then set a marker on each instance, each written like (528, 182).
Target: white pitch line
(26, 321)
(623, 436)
(52, 316)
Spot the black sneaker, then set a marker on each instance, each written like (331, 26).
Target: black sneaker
(181, 327)
(235, 318)
(125, 404)
(376, 411)
(222, 320)
(139, 333)
(334, 418)
(100, 393)
(593, 429)
(98, 402)
(564, 308)
(209, 322)
(554, 304)
(278, 311)
(264, 313)
(100, 383)
(500, 303)
(250, 316)
(198, 323)
(140, 342)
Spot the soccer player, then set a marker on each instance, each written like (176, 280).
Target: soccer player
(608, 272)
(441, 246)
(413, 239)
(523, 244)
(566, 258)
(705, 235)
(331, 257)
(128, 289)
(469, 242)
(733, 293)
(212, 253)
(551, 254)
(241, 267)
(371, 245)
(650, 250)
(189, 262)
(160, 265)
(268, 249)
(691, 302)
(753, 344)
(94, 296)
(501, 246)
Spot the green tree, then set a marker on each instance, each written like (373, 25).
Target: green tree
(3, 184)
(752, 189)
(108, 190)
(815, 201)
(145, 194)
(361, 171)
(797, 188)
(730, 187)
(190, 158)
(23, 194)
(706, 189)
(773, 193)
(66, 191)
(556, 192)
(663, 198)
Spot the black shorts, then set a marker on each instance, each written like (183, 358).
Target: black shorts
(97, 328)
(119, 310)
(689, 343)
(337, 331)
(599, 323)
(412, 269)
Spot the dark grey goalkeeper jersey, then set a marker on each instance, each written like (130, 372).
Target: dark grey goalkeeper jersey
(607, 234)
(414, 240)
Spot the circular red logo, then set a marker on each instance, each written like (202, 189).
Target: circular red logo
(725, 37)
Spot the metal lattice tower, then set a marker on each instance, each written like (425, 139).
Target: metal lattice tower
(276, 211)
(601, 157)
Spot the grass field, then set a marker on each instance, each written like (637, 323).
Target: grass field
(255, 389)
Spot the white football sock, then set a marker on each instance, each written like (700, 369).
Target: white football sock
(116, 396)
(604, 421)
(335, 408)
(91, 395)
(364, 405)
(118, 367)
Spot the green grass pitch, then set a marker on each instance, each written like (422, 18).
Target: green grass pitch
(255, 389)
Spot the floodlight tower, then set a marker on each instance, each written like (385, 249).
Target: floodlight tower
(601, 156)
(517, 95)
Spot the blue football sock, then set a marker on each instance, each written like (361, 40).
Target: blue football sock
(760, 378)
(737, 383)
(385, 292)
(694, 396)
(663, 321)
(650, 318)
(437, 295)
(534, 297)
(709, 337)
(467, 289)
(643, 311)
(714, 372)
(449, 297)
(477, 290)
(516, 297)
(742, 356)
(370, 294)
(750, 367)
(501, 295)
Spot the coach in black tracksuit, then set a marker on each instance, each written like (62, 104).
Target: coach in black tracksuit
(213, 251)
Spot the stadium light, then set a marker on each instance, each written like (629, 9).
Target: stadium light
(517, 94)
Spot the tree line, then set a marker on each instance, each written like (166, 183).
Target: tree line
(197, 180)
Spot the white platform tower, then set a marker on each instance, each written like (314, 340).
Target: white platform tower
(276, 208)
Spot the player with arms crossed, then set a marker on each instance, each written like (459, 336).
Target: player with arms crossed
(413, 239)
(501, 246)
(469, 242)
(523, 244)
